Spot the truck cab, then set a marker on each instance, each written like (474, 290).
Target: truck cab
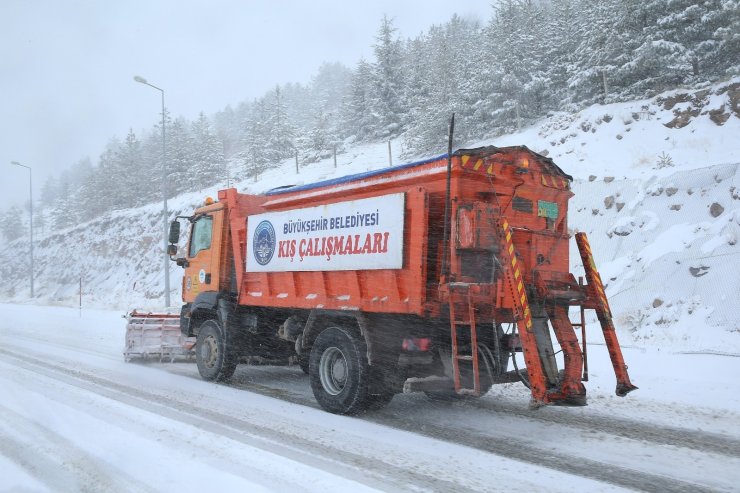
(204, 268)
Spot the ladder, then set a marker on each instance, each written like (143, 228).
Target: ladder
(516, 294)
(462, 313)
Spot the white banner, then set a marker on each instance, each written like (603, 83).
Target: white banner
(354, 235)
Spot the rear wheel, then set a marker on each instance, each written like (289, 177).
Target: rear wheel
(215, 361)
(339, 371)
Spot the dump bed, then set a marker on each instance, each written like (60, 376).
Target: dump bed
(374, 241)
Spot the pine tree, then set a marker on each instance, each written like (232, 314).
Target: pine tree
(724, 60)
(49, 191)
(562, 31)
(329, 87)
(300, 103)
(227, 129)
(442, 80)
(11, 223)
(255, 136)
(320, 139)
(359, 120)
(150, 180)
(208, 157)
(280, 142)
(600, 51)
(328, 92)
(517, 43)
(180, 163)
(694, 34)
(65, 211)
(128, 166)
(387, 82)
(89, 193)
(108, 178)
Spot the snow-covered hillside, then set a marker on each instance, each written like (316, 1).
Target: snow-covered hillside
(656, 188)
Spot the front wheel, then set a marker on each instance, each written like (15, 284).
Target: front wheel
(214, 360)
(339, 371)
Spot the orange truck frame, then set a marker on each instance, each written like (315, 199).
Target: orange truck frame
(423, 277)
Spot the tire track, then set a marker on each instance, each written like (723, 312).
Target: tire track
(83, 400)
(369, 471)
(57, 462)
(617, 475)
(702, 441)
(599, 471)
(65, 345)
(579, 466)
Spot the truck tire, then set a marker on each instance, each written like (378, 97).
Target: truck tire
(339, 371)
(215, 362)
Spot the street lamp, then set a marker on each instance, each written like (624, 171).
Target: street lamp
(30, 196)
(142, 80)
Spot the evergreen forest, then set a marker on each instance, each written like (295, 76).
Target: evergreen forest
(529, 59)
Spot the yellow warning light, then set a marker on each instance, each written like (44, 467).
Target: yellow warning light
(209, 201)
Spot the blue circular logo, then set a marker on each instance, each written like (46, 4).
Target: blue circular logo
(263, 243)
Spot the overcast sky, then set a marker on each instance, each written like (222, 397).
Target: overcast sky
(67, 66)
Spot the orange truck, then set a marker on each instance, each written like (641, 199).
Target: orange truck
(428, 276)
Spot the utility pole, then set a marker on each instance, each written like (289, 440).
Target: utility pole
(165, 214)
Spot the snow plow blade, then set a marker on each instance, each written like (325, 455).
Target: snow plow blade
(150, 335)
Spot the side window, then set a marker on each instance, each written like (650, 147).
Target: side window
(202, 234)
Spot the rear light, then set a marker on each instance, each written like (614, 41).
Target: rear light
(416, 344)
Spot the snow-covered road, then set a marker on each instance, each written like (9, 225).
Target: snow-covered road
(75, 417)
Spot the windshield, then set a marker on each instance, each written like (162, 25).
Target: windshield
(201, 235)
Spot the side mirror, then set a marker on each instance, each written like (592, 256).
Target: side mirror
(171, 249)
(174, 232)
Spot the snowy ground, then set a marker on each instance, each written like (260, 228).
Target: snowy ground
(75, 417)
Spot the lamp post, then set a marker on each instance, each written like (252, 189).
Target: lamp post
(30, 204)
(165, 214)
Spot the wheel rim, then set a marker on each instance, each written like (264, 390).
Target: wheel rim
(209, 352)
(333, 370)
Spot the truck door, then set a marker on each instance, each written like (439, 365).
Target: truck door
(204, 252)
